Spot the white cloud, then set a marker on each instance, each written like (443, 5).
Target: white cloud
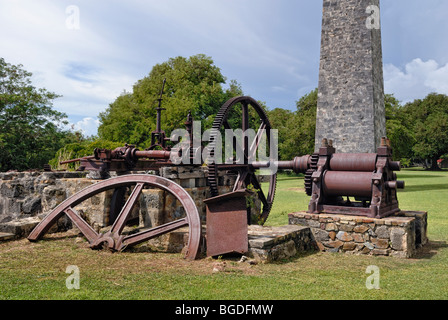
(81, 65)
(88, 126)
(417, 80)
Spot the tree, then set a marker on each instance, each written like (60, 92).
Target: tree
(280, 120)
(401, 136)
(296, 129)
(306, 123)
(30, 130)
(192, 84)
(428, 119)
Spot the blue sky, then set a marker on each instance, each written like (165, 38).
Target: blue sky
(270, 47)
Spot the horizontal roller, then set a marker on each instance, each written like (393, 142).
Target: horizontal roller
(346, 183)
(353, 162)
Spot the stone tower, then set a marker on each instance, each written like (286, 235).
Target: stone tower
(350, 108)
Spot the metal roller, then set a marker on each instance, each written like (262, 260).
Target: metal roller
(345, 183)
(353, 162)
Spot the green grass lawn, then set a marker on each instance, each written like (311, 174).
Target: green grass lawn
(37, 270)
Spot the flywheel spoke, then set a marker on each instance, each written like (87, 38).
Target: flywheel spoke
(240, 180)
(119, 224)
(254, 147)
(82, 225)
(260, 192)
(154, 232)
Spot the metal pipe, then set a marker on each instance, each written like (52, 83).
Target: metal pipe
(154, 154)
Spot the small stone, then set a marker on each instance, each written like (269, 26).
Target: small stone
(359, 238)
(349, 246)
(380, 252)
(321, 235)
(382, 232)
(380, 243)
(320, 246)
(360, 229)
(369, 245)
(332, 235)
(346, 228)
(397, 238)
(335, 244)
(331, 227)
(344, 236)
(365, 250)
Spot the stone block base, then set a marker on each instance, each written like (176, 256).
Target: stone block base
(268, 244)
(399, 235)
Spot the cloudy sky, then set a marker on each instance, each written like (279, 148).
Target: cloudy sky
(90, 51)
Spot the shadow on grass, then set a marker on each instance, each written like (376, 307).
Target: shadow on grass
(430, 249)
(425, 187)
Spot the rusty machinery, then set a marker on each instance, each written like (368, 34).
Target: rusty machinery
(338, 183)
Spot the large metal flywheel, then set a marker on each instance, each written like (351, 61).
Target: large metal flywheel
(114, 239)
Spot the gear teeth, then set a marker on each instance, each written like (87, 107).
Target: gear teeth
(309, 173)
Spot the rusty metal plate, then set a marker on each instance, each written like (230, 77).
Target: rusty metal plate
(227, 224)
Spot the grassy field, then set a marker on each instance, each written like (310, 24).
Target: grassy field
(38, 270)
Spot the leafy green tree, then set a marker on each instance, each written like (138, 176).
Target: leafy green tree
(296, 129)
(81, 148)
(30, 130)
(401, 136)
(192, 84)
(280, 120)
(306, 123)
(428, 119)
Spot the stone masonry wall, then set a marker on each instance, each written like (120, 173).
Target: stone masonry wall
(25, 197)
(350, 108)
(400, 235)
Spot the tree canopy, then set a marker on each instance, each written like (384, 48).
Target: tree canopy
(30, 131)
(296, 129)
(192, 84)
(428, 119)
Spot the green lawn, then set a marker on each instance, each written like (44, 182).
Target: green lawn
(37, 270)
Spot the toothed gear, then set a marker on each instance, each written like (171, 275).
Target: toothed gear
(309, 173)
(251, 178)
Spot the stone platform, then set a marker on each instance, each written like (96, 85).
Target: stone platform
(399, 235)
(268, 244)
